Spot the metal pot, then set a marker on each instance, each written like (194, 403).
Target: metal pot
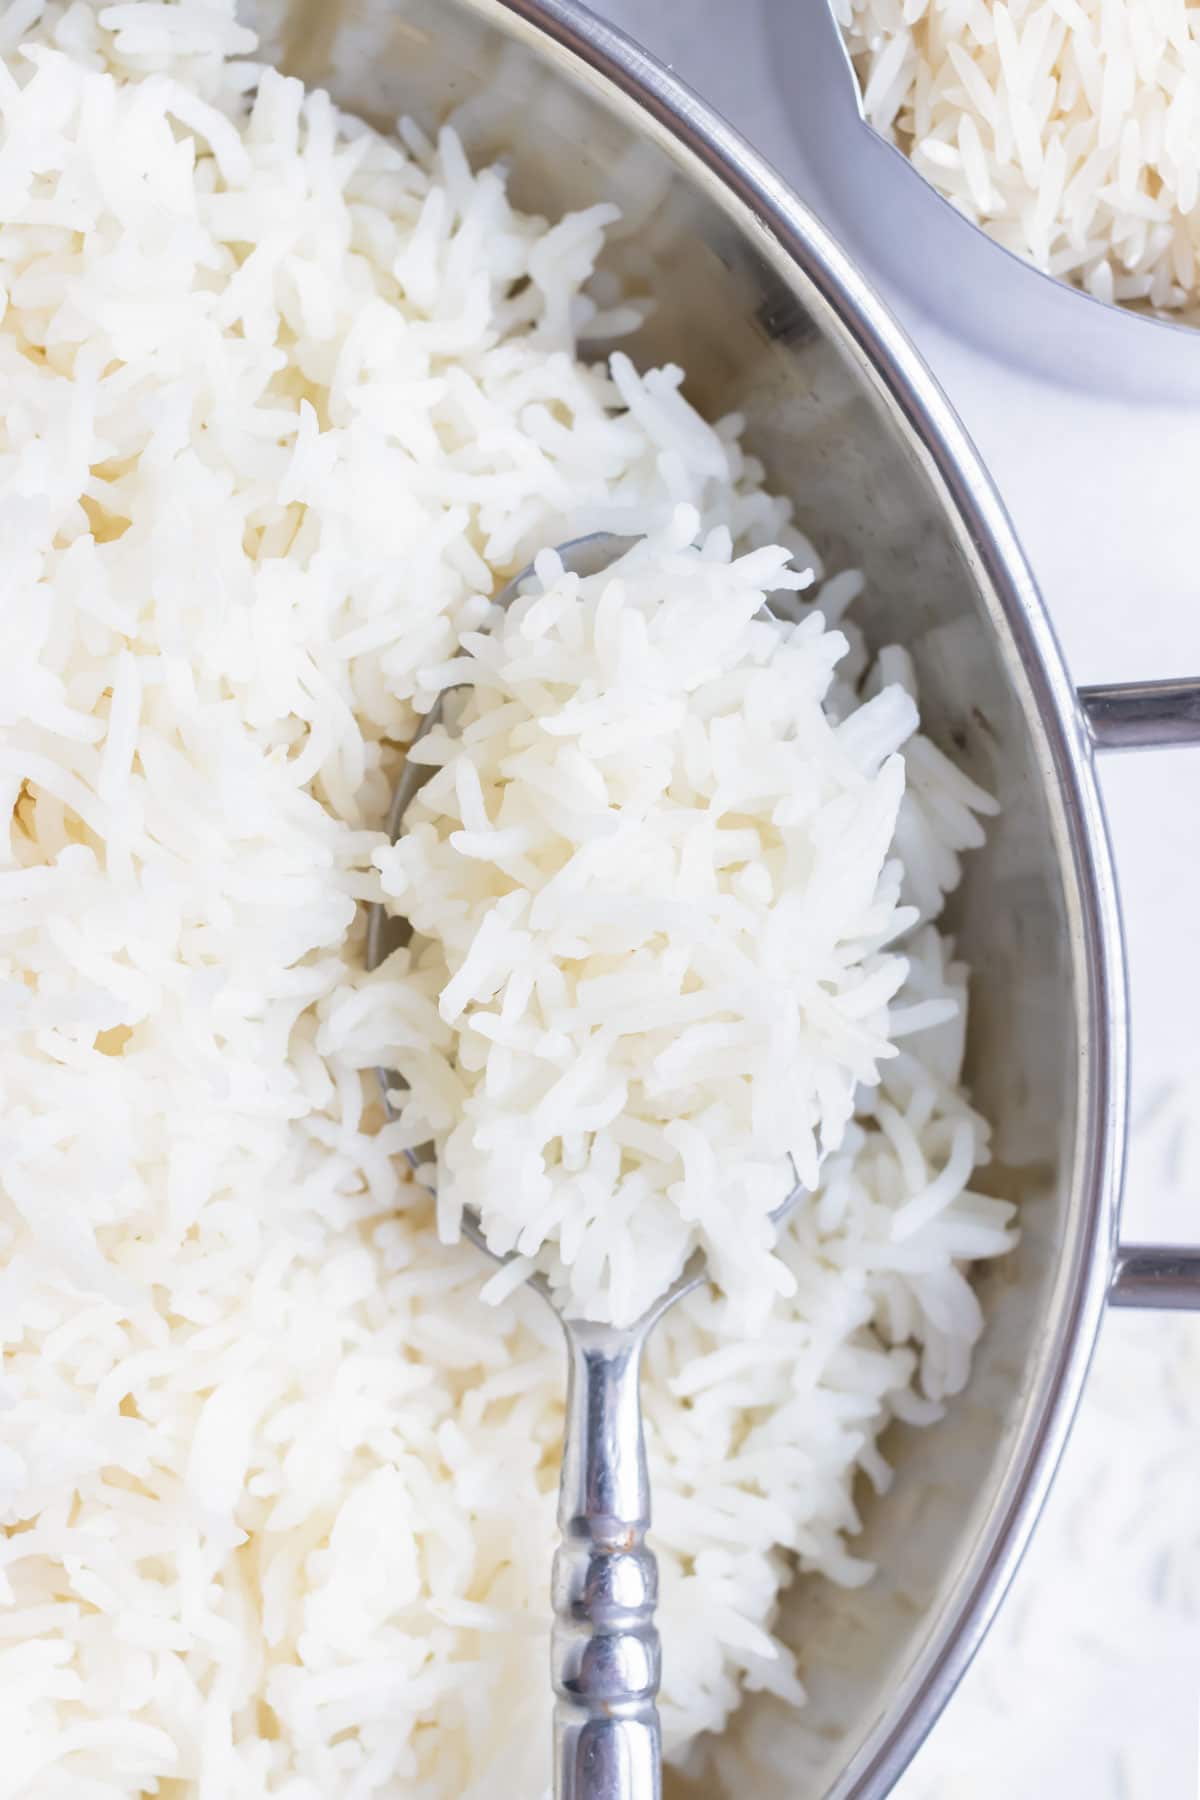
(769, 318)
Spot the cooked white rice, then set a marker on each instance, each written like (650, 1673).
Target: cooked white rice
(1068, 129)
(281, 401)
(652, 888)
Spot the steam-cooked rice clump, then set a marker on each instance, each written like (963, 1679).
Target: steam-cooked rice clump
(653, 888)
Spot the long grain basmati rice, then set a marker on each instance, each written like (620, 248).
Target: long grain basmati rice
(651, 881)
(284, 402)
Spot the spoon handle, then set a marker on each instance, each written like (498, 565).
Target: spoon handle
(605, 1656)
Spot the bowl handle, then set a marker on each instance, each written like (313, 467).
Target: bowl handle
(1148, 715)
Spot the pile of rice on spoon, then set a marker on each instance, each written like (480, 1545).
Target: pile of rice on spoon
(285, 403)
(653, 897)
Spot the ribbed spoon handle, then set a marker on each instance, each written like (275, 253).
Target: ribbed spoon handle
(605, 1657)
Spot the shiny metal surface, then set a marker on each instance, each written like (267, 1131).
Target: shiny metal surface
(898, 226)
(1157, 1277)
(769, 318)
(1143, 715)
(1149, 715)
(605, 1655)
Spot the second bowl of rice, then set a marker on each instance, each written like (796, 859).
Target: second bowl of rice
(982, 162)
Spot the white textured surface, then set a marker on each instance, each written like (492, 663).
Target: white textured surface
(1090, 1682)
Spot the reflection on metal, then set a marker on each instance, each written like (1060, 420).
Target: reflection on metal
(1157, 1277)
(1143, 715)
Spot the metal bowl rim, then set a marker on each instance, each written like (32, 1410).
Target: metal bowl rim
(1020, 266)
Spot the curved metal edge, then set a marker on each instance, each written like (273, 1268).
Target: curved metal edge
(1142, 715)
(790, 236)
(1157, 1277)
(1080, 341)
(1148, 715)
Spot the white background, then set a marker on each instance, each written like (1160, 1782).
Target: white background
(1089, 1687)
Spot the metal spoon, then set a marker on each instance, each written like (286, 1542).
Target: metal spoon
(605, 1658)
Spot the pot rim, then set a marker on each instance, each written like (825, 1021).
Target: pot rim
(792, 238)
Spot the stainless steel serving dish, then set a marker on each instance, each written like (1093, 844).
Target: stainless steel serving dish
(894, 222)
(769, 318)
